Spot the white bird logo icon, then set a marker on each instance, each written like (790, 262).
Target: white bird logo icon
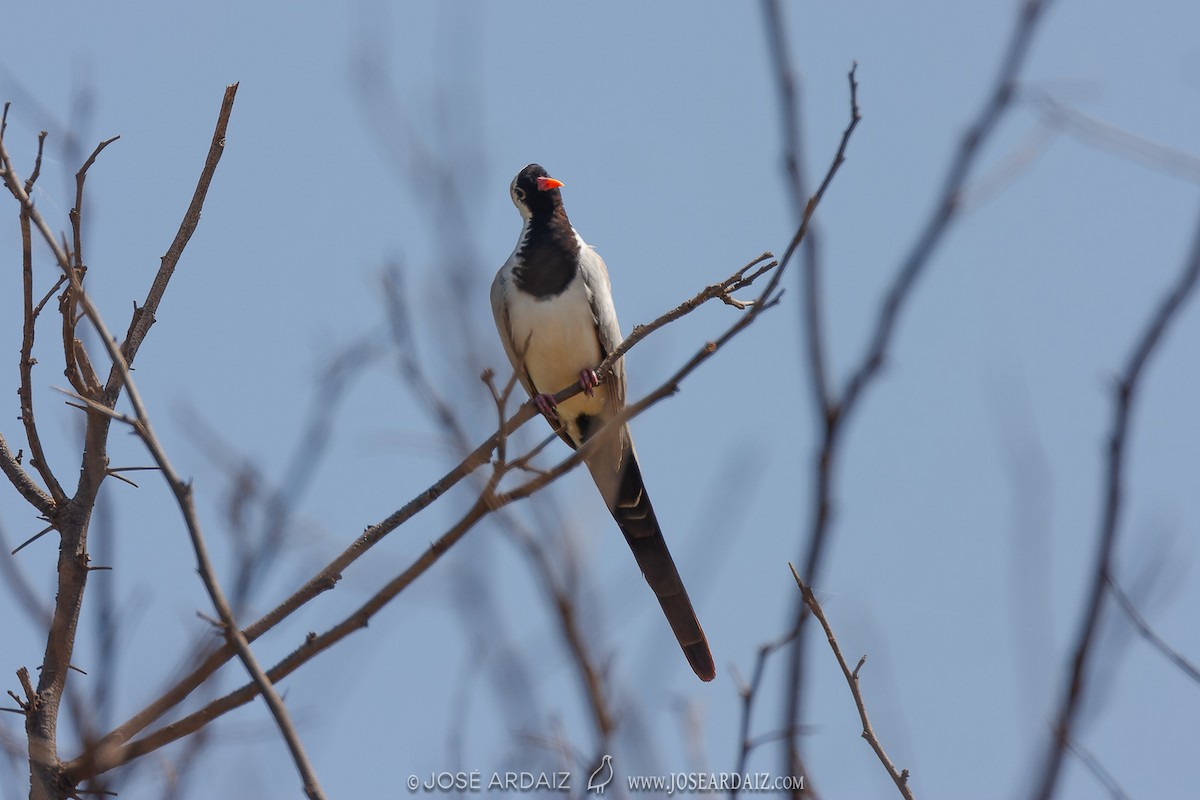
(602, 777)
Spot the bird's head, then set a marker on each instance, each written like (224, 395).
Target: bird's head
(534, 192)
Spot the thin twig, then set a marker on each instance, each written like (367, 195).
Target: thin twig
(143, 317)
(1124, 392)
(37, 456)
(22, 482)
(748, 693)
(721, 290)
(1148, 633)
(789, 115)
(1105, 136)
(46, 770)
(76, 213)
(899, 777)
(120, 376)
(1097, 769)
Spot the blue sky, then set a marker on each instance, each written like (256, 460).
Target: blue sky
(969, 494)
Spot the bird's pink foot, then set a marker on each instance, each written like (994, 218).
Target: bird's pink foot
(545, 404)
(589, 381)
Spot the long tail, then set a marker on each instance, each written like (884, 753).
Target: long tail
(632, 510)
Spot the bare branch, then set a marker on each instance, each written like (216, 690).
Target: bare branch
(1097, 133)
(1148, 633)
(1124, 392)
(1099, 772)
(143, 317)
(72, 518)
(722, 290)
(899, 777)
(76, 213)
(183, 495)
(23, 483)
(789, 115)
(37, 456)
(748, 692)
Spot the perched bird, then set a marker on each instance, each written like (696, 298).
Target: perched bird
(554, 310)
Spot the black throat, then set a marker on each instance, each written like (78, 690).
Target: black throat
(548, 258)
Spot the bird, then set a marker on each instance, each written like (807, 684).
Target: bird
(553, 305)
(602, 777)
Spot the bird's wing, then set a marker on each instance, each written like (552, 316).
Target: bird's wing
(608, 330)
(501, 286)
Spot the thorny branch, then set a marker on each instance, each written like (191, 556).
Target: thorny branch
(143, 317)
(37, 456)
(899, 777)
(70, 516)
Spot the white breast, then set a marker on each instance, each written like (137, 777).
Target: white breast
(561, 336)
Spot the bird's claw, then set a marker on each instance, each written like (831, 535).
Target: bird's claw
(545, 403)
(589, 381)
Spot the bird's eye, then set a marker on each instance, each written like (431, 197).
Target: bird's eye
(518, 193)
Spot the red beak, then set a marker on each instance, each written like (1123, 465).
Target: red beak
(546, 184)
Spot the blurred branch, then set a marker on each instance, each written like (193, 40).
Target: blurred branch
(1143, 627)
(591, 675)
(1061, 117)
(748, 692)
(1099, 772)
(18, 583)
(1124, 392)
(833, 414)
(789, 115)
(899, 777)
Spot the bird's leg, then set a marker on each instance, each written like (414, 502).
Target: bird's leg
(545, 403)
(589, 381)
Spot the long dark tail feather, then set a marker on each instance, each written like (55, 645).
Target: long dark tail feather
(630, 507)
